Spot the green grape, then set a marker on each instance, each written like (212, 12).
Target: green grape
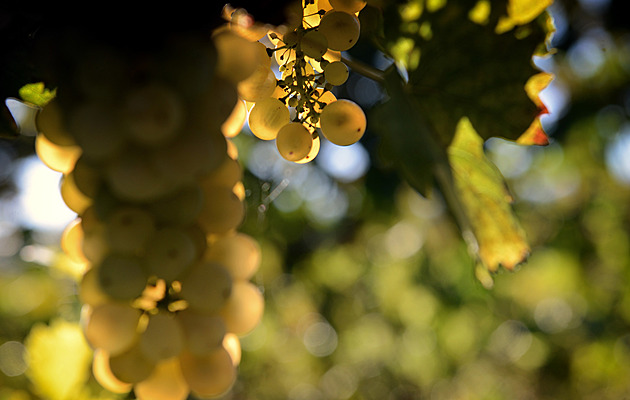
(259, 85)
(208, 376)
(349, 6)
(94, 245)
(87, 177)
(314, 44)
(128, 229)
(222, 210)
(203, 332)
(111, 326)
(131, 366)
(190, 156)
(104, 376)
(97, 129)
(237, 252)
(232, 344)
(341, 29)
(336, 73)
(206, 287)
(50, 123)
(228, 174)
(152, 114)
(71, 241)
(243, 309)
(163, 337)
(294, 141)
(179, 208)
(343, 122)
(234, 123)
(266, 118)
(166, 382)
(237, 57)
(133, 177)
(169, 253)
(76, 200)
(56, 157)
(90, 291)
(311, 154)
(121, 277)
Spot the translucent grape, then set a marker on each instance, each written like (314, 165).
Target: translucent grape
(237, 57)
(314, 44)
(163, 337)
(210, 375)
(152, 114)
(166, 382)
(336, 73)
(97, 130)
(121, 277)
(203, 332)
(222, 211)
(72, 241)
(131, 366)
(313, 153)
(90, 291)
(76, 200)
(267, 117)
(343, 122)
(206, 287)
(104, 376)
(259, 85)
(169, 253)
(56, 157)
(51, 124)
(341, 29)
(87, 177)
(128, 229)
(232, 344)
(111, 326)
(238, 253)
(228, 174)
(243, 309)
(133, 177)
(294, 141)
(349, 6)
(179, 208)
(235, 121)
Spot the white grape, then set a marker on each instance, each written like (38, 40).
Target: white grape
(206, 287)
(210, 375)
(163, 337)
(294, 141)
(341, 29)
(267, 117)
(336, 73)
(343, 122)
(111, 326)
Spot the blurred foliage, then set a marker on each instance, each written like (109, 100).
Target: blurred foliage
(370, 291)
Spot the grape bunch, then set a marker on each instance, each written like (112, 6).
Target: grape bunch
(142, 137)
(299, 105)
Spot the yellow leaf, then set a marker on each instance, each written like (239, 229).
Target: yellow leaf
(486, 201)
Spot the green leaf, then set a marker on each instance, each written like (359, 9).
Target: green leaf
(36, 93)
(467, 69)
(486, 202)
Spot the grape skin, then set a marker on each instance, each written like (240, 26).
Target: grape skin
(294, 141)
(343, 122)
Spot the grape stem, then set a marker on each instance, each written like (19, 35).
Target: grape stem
(364, 69)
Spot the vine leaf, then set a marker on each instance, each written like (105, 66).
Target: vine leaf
(486, 202)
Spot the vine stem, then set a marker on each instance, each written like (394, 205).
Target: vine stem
(365, 70)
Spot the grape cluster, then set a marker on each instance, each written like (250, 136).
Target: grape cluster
(294, 108)
(142, 139)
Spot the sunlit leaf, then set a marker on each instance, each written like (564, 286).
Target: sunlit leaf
(36, 93)
(487, 202)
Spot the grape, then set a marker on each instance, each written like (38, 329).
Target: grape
(111, 326)
(169, 253)
(87, 177)
(51, 124)
(152, 114)
(203, 332)
(232, 344)
(222, 211)
(259, 85)
(128, 228)
(235, 121)
(56, 157)
(90, 291)
(72, 196)
(131, 366)
(121, 277)
(243, 309)
(228, 174)
(179, 208)
(163, 337)
(336, 73)
(133, 177)
(94, 245)
(314, 44)
(210, 375)
(341, 29)
(343, 122)
(206, 287)
(72, 241)
(237, 56)
(349, 6)
(267, 117)
(238, 253)
(294, 141)
(166, 382)
(311, 154)
(104, 376)
(97, 129)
